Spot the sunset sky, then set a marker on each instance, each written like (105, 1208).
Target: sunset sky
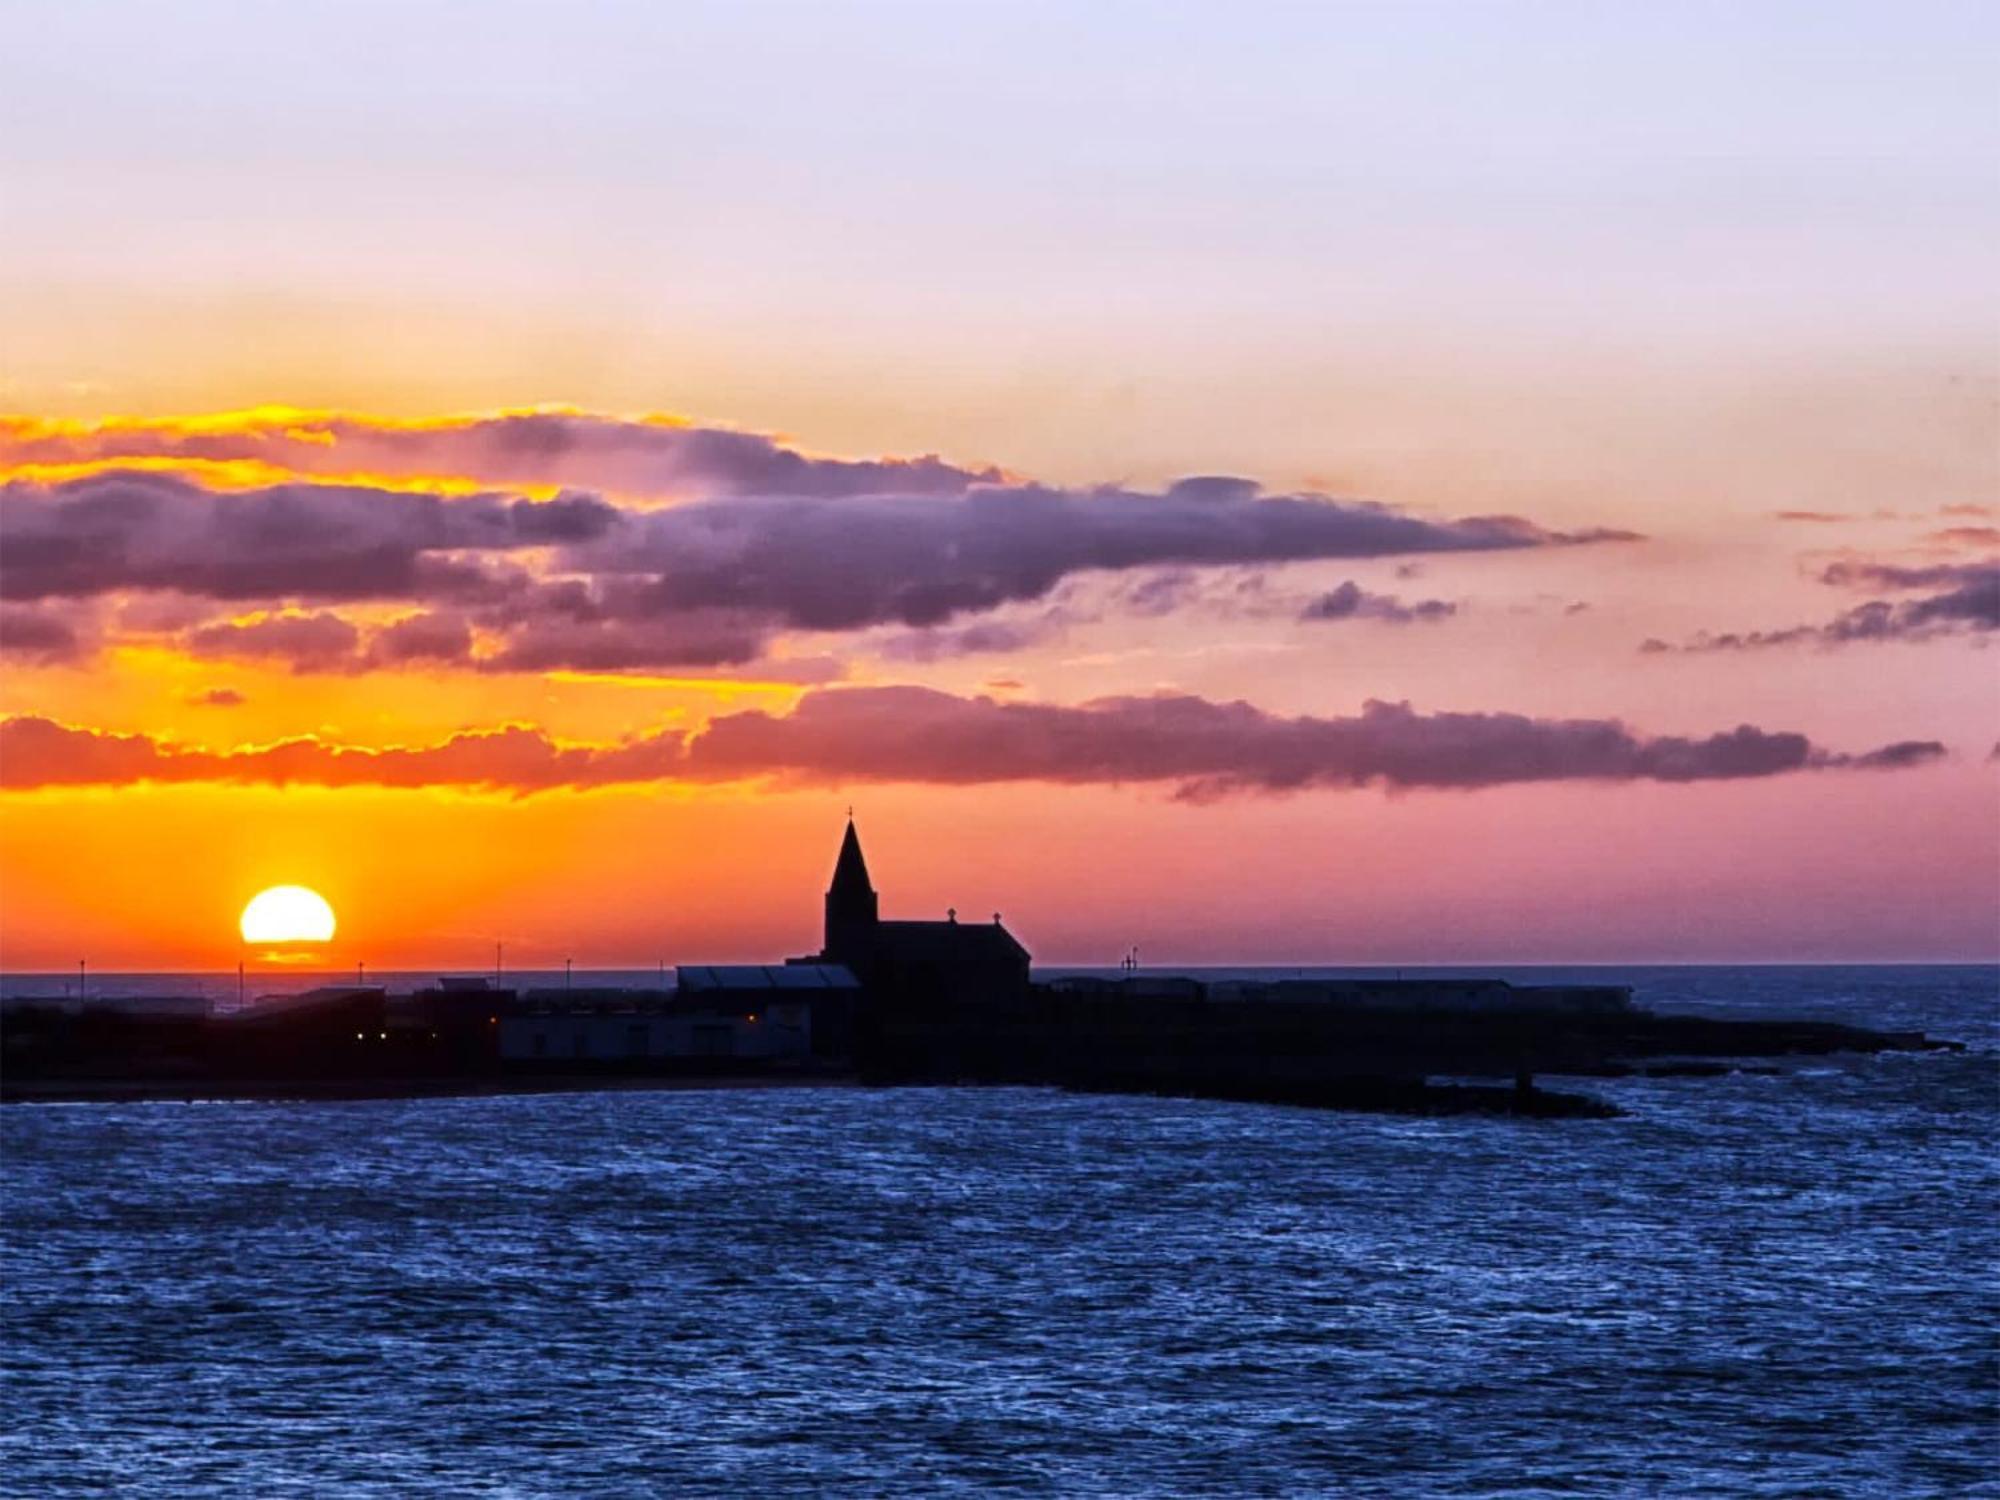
(1266, 483)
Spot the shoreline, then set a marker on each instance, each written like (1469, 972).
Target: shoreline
(1369, 1096)
(333, 1090)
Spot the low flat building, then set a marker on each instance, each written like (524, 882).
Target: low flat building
(752, 1013)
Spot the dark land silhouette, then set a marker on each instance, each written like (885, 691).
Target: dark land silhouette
(904, 1002)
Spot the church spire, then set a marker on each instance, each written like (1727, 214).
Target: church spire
(850, 871)
(851, 912)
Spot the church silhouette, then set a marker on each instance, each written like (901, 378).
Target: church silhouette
(911, 964)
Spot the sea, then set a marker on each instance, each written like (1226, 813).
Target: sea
(1758, 1284)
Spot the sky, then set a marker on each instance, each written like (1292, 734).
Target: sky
(1269, 483)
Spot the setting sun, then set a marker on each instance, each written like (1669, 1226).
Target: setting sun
(287, 914)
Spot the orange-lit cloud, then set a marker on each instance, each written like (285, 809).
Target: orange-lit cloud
(904, 734)
(649, 455)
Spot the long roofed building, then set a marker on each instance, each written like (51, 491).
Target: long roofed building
(920, 963)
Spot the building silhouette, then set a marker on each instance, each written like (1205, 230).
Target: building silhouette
(903, 965)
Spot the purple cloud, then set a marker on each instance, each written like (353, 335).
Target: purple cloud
(579, 582)
(39, 634)
(1352, 602)
(1963, 598)
(320, 642)
(312, 543)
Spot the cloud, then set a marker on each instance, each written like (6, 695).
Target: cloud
(1204, 749)
(576, 628)
(1966, 536)
(1899, 755)
(1963, 598)
(1818, 517)
(579, 582)
(429, 637)
(312, 543)
(654, 456)
(979, 638)
(40, 635)
(821, 565)
(1351, 602)
(1211, 749)
(217, 697)
(318, 642)
(1880, 577)
(38, 752)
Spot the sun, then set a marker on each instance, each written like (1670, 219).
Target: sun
(287, 914)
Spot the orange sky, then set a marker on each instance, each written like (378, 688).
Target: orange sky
(527, 480)
(1828, 862)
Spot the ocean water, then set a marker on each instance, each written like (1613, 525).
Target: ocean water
(1750, 1285)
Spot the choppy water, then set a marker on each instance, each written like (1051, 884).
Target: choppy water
(1751, 1285)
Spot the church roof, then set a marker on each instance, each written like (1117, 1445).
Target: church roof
(947, 942)
(850, 871)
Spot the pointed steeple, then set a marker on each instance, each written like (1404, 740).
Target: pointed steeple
(851, 912)
(850, 871)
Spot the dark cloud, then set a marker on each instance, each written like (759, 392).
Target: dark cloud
(838, 565)
(313, 543)
(1881, 577)
(588, 636)
(431, 637)
(1964, 598)
(1820, 517)
(218, 697)
(1352, 602)
(578, 582)
(1896, 757)
(40, 635)
(320, 642)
